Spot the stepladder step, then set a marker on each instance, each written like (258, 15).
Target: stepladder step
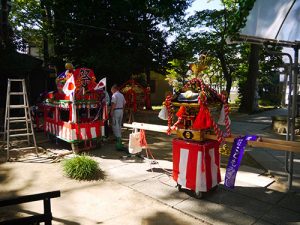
(15, 80)
(20, 121)
(18, 130)
(22, 148)
(20, 135)
(18, 106)
(17, 118)
(17, 93)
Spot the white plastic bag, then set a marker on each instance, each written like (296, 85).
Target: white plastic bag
(134, 143)
(163, 114)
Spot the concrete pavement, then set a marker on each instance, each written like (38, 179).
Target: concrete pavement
(273, 161)
(136, 191)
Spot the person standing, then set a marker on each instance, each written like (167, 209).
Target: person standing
(116, 112)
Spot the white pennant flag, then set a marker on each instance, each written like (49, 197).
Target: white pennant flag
(221, 120)
(69, 87)
(101, 84)
(163, 113)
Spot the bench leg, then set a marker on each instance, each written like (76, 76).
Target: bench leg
(47, 211)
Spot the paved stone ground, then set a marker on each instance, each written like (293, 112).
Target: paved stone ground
(271, 160)
(135, 191)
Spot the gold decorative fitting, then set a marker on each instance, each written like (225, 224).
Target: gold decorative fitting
(193, 135)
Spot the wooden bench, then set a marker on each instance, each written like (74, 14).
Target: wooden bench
(46, 217)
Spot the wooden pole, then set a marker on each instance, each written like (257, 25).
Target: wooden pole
(281, 145)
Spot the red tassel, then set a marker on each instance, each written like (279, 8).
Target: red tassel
(208, 119)
(181, 111)
(203, 120)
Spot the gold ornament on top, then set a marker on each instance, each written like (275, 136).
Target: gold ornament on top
(200, 66)
(69, 66)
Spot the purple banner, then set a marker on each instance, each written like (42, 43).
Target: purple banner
(235, 159)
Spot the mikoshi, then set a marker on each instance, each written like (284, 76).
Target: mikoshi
(76, 111)
(199, 116)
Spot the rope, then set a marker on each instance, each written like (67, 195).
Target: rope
(202, 100)
(218, 131)
(177, 122)
(223, 98)
(226, 109)
(170, 115)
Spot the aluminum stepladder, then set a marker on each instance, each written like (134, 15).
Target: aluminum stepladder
(19, 126)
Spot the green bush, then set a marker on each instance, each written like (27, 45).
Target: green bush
(82, 168)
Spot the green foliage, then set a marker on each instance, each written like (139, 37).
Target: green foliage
(26, 21)
(81, 168)
(238, 12)
(178, 73)
(175, 73)
(268, 79)
(117, 38)
(206, 31)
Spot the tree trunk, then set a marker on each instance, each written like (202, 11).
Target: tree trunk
(4, 24)
(226, 72)
(249, 102)
(1, 23)
(45, 36)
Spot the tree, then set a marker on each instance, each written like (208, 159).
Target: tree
(206, 32)
(266, 81)
(248, 100)
(6, 34)
(238, 20)
(117, 38)
(250, 87)
(26, 21)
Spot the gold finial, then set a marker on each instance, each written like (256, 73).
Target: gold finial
(69, 66)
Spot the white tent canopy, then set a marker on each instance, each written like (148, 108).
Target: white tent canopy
(276, 20)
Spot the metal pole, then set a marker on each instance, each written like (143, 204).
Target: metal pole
(295, 93)
(290, 88)
(290, 136)
(289, 116)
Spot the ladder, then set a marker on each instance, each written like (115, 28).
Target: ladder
(18, 122)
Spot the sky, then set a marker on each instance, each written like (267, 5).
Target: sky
(199, 5)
